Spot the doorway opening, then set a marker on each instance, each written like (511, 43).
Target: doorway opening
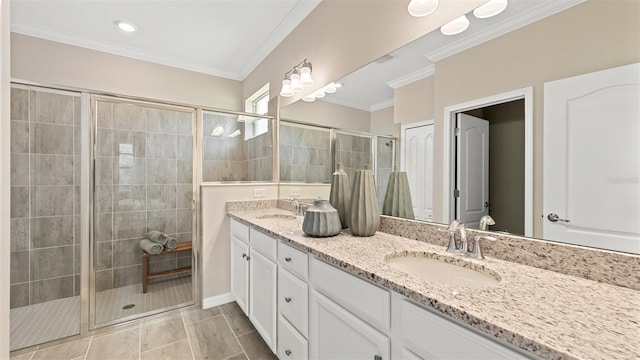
(488, 161)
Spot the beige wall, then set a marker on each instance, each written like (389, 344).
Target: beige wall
(340, 36)
(327, 114)
(592, 36)
(382, 121)
(5, 181)
(54, 63)
(215, 236)
(307, 191)
(414, 102)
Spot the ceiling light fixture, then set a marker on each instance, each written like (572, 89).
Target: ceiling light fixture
(455, 26)
(296, 79)
(126, 26)
(489, 9)
(420, 8)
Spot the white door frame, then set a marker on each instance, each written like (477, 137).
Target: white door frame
(449, 151)
(403, 128)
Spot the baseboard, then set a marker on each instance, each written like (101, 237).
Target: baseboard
(217, 300)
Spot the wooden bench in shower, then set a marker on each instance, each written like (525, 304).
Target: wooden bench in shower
(146, 275)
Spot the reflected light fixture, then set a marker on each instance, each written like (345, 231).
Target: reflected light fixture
(320, 93)
(455, 26)
(126, 26)
(296, 79)
(489, 9)
(309, 98)
(218, 131)
(234, 134)
(420, 8)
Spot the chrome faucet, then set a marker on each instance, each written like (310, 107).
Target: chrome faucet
(457, 225)
(297, 210)
(476, 251)
(485, 221)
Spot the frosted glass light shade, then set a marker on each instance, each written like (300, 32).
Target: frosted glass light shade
(286, 88)
(419, 8)
(295, 82)
(309, 98)
(491, 8)
(319, 94)
(330, 89)
(305, 77)
(455, 26)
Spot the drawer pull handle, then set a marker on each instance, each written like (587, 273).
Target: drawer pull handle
(287, 299)
(248, 257)
(287, 352)
(244, 255)
(377, 357)
(287, 259)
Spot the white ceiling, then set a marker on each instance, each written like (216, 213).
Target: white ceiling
(371, 87)
(226, 38)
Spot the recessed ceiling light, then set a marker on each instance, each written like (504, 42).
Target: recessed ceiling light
(455, 26)
(491, 8)
(420, 8)
(125, 26)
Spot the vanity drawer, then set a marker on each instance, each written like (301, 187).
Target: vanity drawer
(239, 230)
(291, 345)
(293, 260)
(370, 302)
(263, 243)
(293, 300)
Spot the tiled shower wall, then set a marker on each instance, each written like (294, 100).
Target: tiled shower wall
(384, 166)
(227, 158)
(144, 181)
(354, 152)
(45, 196)
(305, 154)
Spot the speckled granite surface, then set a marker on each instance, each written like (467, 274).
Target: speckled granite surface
(553, 315)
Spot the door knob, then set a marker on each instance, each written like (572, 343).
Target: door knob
(555, 218)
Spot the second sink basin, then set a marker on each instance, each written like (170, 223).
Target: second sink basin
(454, 272)
(276, 216)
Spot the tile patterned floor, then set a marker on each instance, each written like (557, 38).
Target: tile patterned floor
(222, 332)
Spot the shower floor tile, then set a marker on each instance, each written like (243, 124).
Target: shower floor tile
(40, 323)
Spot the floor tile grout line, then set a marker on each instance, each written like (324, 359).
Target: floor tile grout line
(89, 346)
(234, 334)
(184, 324)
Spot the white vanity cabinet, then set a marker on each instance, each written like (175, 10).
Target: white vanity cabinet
(254, 274)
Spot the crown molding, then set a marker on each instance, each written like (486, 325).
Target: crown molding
(412, 77)
(72, 40)
(297, 14)
(382, 105)
(346, 103)
(546, 8)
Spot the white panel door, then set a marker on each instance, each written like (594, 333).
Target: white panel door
(472, 169)
(262, 297)
(240, 273)
(592, 159)
(335, 333)
(418, 163)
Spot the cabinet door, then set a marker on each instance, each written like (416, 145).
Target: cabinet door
(240, 273)
(263, 274)
(335, 333)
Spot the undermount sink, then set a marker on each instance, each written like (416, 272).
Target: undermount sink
(444, 270)
(276, 216)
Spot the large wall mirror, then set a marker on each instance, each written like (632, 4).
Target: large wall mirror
(500, 70)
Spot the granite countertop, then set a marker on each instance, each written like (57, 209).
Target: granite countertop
(552, 315)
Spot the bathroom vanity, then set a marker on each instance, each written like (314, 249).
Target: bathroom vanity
(341, 297)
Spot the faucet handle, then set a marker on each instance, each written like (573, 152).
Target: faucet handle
(476, 252)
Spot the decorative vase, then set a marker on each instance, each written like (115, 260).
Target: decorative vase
(397, 200)
(364, 217)
(340, 194)
(321, 220)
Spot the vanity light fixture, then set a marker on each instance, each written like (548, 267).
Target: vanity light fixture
(320, 93)
(420, 8)
(296, 79)
(455, 26)
(234, 134)
(489, 9)
(126, 26)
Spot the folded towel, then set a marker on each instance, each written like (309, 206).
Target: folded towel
(171, 244)
(157, 237)
(150, 247)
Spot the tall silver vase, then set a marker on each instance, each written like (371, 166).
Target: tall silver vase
(340, 194)
(397, 200)
(364, 217)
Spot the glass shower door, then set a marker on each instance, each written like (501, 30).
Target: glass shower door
(143, 181)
